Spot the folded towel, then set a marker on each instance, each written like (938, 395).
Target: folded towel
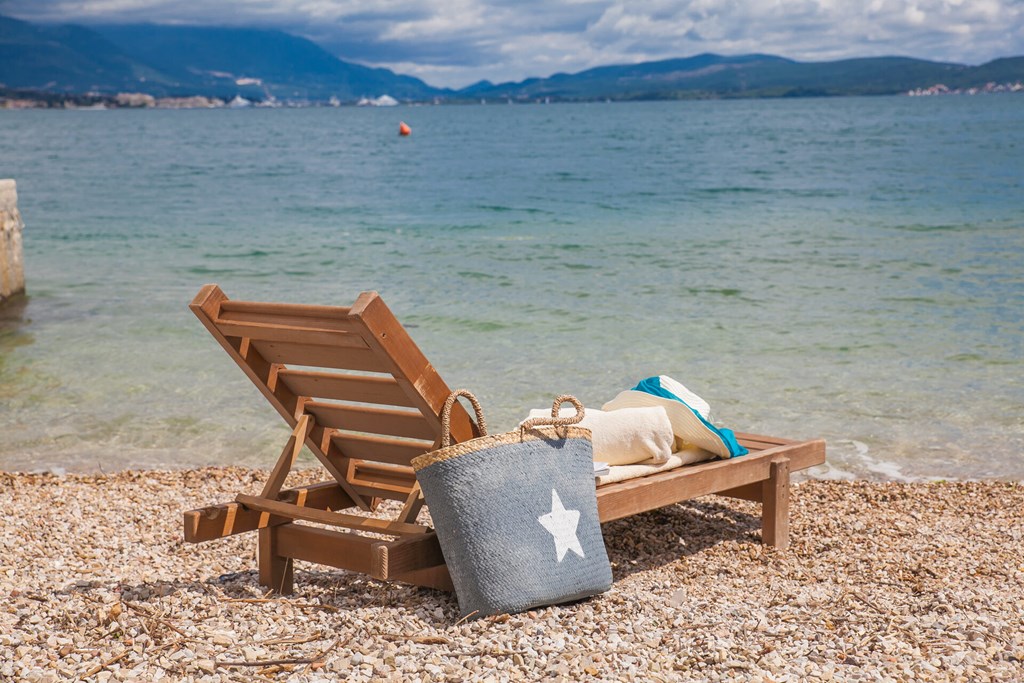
(642, 469)
(625, 436)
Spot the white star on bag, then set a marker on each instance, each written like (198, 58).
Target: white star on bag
(561, 524)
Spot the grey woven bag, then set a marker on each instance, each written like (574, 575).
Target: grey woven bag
(516, 513)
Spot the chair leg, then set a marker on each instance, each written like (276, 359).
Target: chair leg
(275, 570)
(775, 506)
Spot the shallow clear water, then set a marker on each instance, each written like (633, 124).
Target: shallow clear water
(845, 268)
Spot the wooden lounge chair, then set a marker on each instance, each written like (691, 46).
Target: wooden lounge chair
(359, 393)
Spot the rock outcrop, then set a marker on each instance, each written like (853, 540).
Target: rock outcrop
(12, 268)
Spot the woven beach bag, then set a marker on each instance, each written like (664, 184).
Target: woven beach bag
(516, 513)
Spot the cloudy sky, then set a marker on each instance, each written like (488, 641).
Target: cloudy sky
(457, 42)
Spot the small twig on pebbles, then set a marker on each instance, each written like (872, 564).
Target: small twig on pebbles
(213, 593)
(300, 605)
(422, 640)
(863, 643)
(174, 644)
(145, 629)
(295, 640)
(869, 603)
(468, 616)
(100, 667)
(318, 660)
(163, 622)
(265, 663)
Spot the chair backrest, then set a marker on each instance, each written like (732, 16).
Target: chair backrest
(371, 393)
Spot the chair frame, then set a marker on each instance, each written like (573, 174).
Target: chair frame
(366, 449)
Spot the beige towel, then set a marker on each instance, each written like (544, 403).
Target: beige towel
(625, 436)
(642, 469)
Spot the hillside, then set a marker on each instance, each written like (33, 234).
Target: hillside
(186, 60)
(272, 62)
(68, 59)
(709, 75)
(261, 64)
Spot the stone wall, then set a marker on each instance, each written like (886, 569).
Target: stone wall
(12, 267)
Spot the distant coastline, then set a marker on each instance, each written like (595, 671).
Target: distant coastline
(28, 99)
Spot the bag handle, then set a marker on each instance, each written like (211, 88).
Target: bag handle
(446, 415)
(555, 420)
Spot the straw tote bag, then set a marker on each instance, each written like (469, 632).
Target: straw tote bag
(516, 513)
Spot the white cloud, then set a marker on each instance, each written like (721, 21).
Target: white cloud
(915, 15)
(445, 20)
(455, 42)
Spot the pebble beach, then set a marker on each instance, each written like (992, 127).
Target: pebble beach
(882, 581)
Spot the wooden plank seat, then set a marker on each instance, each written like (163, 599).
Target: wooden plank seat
(359, 393)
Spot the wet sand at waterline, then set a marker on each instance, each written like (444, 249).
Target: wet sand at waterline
(882, 581)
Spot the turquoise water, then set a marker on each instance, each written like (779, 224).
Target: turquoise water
(843, 268)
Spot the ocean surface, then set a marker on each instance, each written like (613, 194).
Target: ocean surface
(849, 268)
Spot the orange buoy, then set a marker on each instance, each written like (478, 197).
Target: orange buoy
(404, 129)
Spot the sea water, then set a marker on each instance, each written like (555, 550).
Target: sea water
(849, 268)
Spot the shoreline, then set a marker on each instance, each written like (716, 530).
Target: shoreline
(882, 580)
(870, 471)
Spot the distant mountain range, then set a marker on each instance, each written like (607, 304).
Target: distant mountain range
(710, 75)
(169, 61)
(258, 64)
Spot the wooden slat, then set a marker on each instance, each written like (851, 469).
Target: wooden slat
(344, 324)
(379, 448)
(218, 521)
(777, 440)
(255, 308)
(393, 482)
(760, 441)
(342, 549)
(376, 491)
(350, 551)
(406, 555)
(321, 356)
(397, 475)
(747, 492)
(383, 390)
(292, 335)
(355, 522)
(413, 504)
(437, 578)
(626, 498)
(403, 423)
